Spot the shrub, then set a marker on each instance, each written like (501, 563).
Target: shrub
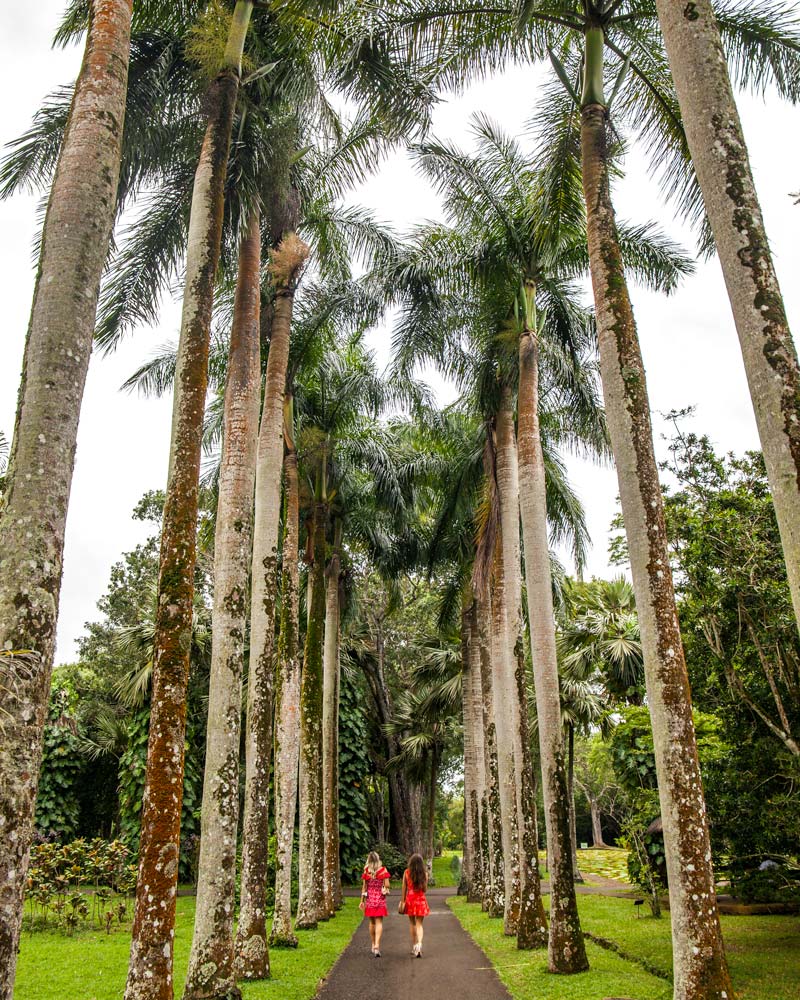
(776, 884)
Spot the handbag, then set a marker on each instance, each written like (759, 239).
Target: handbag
(401, 906)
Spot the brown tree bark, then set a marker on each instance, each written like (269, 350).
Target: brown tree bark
(252, 951)
(494, 883)
(330, 727)
(211, 962)
(310, 905)
(701, 971)
(504, 696)
(532, 924)
(151, 960)
(566, 949)
(75, 237)
(287, 699)
(721, 162)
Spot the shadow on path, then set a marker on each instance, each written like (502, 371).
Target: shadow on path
(453, 967)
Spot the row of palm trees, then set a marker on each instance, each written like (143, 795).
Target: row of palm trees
(489, 299)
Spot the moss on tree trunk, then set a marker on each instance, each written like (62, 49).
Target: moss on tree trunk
(74, 247)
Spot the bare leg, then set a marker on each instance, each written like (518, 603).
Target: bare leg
(378, 932)
(372, 931)
(419, 932)
(412, 926)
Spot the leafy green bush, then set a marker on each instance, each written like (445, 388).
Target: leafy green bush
(354, 768)
(73, 882)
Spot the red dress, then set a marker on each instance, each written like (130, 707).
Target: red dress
(416, 903)
(375, 903)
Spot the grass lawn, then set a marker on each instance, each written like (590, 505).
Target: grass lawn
(525, 972)
(93, 965)
(442, 871)
(611, 862)
(763, 952)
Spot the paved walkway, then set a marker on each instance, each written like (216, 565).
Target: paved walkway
(452, 967)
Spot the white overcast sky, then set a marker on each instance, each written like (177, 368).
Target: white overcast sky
(689, 342)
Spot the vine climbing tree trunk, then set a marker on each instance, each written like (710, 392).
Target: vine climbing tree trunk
(252, 951)
(701, 971)
(151, 961)
(287, 697)
(721, 162)
(74, 246)
(211, 962)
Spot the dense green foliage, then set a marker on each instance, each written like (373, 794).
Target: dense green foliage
(354, 770)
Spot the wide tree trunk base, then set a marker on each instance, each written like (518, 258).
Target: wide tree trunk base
(283, 941)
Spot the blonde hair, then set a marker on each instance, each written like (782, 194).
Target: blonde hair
(373, 863)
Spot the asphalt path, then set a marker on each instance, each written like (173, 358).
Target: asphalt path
(452, 966)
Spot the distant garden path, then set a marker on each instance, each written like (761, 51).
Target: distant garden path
(452, 966)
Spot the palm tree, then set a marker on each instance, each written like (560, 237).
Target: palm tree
(489, 37)
(287, 695)
(212, 946)
(150, 970)
(74, 245)
(520, 254)
(598, 637)
(694, 42)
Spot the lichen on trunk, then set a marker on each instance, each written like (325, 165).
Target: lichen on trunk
(74, 246)
(698, 955)
(211, 962)
(150, 971)
(720, 160)
(252, 951)
(310, 905)
(330, 727)
(287, 699)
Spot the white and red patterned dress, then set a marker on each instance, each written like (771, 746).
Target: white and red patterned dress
(375, 903)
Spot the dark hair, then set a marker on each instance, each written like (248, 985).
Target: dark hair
(417, 873)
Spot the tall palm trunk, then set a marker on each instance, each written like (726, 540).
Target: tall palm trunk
(504, 695)
(252, 952)
(330, 728)
(700, 968)
(74, 246)
(211, 971)
(494, 882)
(473, 750)
(720, 159)
(150, 970)
(566, 950)
(312, 819)
(430, 824)
(287, 698)
(532, 927)
(573, 830)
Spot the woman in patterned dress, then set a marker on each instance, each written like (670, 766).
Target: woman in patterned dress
(373, 899)
(413, 902)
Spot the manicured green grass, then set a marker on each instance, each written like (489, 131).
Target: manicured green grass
(763, 952)
(442, 872)
(610, 862)
(525, 972)
(93, 966)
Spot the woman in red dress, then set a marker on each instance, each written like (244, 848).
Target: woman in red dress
(373, 899)
(413, 902)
